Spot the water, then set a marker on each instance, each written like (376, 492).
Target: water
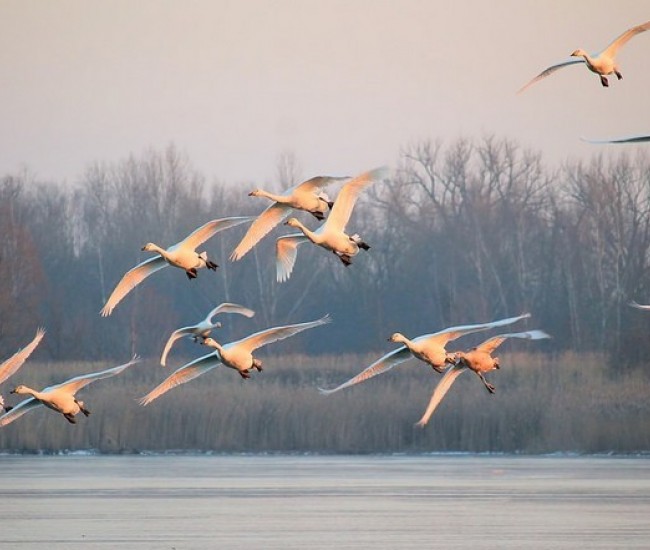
(311, 502)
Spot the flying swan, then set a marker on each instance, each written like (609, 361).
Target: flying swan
(429, 348)
(182, 255)
(235, 355)
(479, 360)
(11, 365)
(61, 397)
(305, 196)
(331, 235)
(602, 63)
(203, 328)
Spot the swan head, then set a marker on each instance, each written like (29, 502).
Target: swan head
(20, 389)
(150, 247)
(397, 337)
(292, 222)
(579, 53)
(255, 193)
(210, 342)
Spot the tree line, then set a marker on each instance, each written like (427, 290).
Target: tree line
(466, 231)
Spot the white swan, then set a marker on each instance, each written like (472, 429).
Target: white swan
(479, 360)
(235, 355)
(429, 348)
(304, 196)
(182, 255)
(11, 365)
(602, 63)
(61, 397)
(203, 328)
(331, 235)
(641, 138)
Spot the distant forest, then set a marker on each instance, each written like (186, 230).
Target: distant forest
(462, 232)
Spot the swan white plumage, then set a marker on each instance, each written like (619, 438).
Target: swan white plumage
(479, 360)
(182, 255)
(235, 355)
(305, 196)
(429, 348)
(640, 138)
(602, 63)
(203, 328)
(11, 365)
(331, 235)
(60, 397)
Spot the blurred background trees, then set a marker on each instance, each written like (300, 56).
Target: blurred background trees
(462, 232)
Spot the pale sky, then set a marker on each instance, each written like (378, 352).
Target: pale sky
(342, 84)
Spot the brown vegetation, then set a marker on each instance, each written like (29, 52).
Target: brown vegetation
(542, 404)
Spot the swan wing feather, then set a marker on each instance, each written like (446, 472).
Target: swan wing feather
(11, 365)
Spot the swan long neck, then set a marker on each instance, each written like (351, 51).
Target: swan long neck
(306, 231)
(155, 248)
(25, 390)
(272, 196)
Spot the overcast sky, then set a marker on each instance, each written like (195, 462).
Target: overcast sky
(342, 84)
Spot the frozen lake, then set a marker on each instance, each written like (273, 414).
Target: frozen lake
(268, 502)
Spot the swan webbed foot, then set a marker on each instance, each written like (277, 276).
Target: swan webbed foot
(7, 408)
(70, 418)
(318, 215)
(244, 374)
(257, 364)
(438, 369)
(191, 273)
(346, 259)
(330, 204)
(211, 265)
(364, 246)
(604, 81)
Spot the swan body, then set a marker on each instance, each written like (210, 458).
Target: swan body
(305, 196)
(203, 328)
(602, 63)
(479, 360)
(182, 255)
(429, 348)
(61, 397)
(235, 355)
(331, 235)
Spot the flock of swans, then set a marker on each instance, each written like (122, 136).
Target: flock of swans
(331, 235)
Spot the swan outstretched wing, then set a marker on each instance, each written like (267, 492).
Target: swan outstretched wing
(440, 391)
(286, 251)
(449, 334)
(130, 280)
(207, 230)
(11, 365)
(611, 50)
(629, 139)
(78, 382)
(184, 374)
(493, 343)
(275, 334)
(229, 307)
(19, 410)
(347, 197)
(383, 364)
(551, 70)
(172, 339)
(637, 305)
(264, 223)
